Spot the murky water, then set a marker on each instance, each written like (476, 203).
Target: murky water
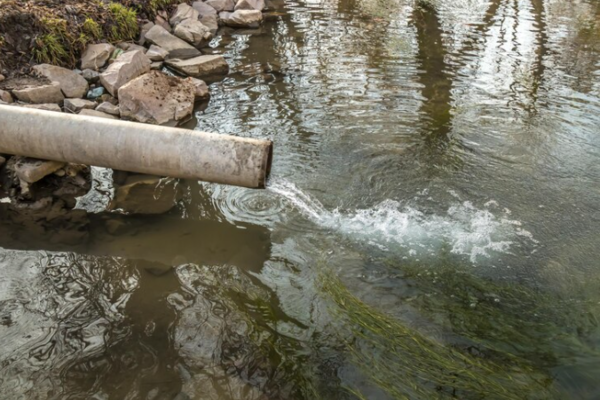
(431, 229)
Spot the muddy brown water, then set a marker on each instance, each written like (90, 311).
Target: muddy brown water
(440, 163)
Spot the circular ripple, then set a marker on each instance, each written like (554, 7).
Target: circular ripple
(259, 207)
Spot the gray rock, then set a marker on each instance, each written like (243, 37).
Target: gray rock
(32, 170)
(221, 5)
(156, 53)
(90, 75)
(156, 98)
(44, 107)
(131, 47)
(95, 93)
(143, 30)
(72, 84)
(94, 113)
(109, 108)
(250, 5)
(157, 65)
(5, 96)
(201, 92)
(242, 18)
(194, 32)
(182, 13)
(95, 56)
(200, 66)
(76, 105)
(175, 47)
(162, 22)
(204, 9)
(211, 22)
(127, 67)
(146, 194)
(40, 94)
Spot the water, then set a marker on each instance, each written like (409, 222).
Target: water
(434, 208)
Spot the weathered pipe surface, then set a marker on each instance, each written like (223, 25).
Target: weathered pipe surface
(135, 147)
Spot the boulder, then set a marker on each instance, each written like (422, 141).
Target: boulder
(194, 32)
(94, 113)
(44, 107)
(72, 84)
(90, 75)
(146, 194)
(156, 98)
(201, 89)
(182, 13)
(143, 30)
(204, 9)
(156, 53)
(200, 66)
(109, 108)
(76, 105)
(95, 56)
(211, 22)
(250, 5)
(242, 18)
(32, 170)
(5, 96)
(175, 47)
(40, 94)
(162, 22)
(221, 5)
(128, 66)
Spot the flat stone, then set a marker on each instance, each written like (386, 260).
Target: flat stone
(156, 98)
(44, 107)
(32, 170)
(6, 97)
(193, 32)
(221, 5)
(204, 9)
(146, 194)
(175, 47)
(211, 22)
(156, 53)
(109, 108)
(242, 18)
(200, 66)
(201, 92)
(157, 65)
(125, 46)
(95, 56)
(72, 84)
(250, 5)
(143, 30)
(182, 13)
(94, 113)
(127, 67)
(90, 75)
(76, 105)
(40, 94)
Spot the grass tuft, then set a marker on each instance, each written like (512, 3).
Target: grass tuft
(125, 23)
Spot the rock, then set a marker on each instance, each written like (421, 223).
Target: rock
(76, 105)
(95, 93)
(201, 92)
(200, 66)
(96, 56)
(204, 9)
(94, 113)
(156, 53)
(131, 47)
(32, 170)
(157, 65)
(115, 54)
(182, 13)
(2, 77)
(107, 97)
(175, 47)
(71, 84)
(194, 32)
(242, 18)
(45, 107)
(109, 108)
(146, 194)
(162, 22)
(40, 94)
(250, 5)
(156, 98)
(143, 30)
(90, 75)
(221, 5)
(6, 97)
(211, 22)
(127, 67)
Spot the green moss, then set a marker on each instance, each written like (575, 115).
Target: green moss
(156, 5)
(125, 25)
(92, 29)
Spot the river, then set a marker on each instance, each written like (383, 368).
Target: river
(430, 229)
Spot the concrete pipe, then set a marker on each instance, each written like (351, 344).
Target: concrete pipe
(135, 147)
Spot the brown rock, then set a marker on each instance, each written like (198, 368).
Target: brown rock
(76, 105)
(242, 18)
(156, 53)
(94, 113)
(204, 9)
(194, 32)
(201, 89)
(109, 108)
(6, 97)
(143, 30)
(40, 94)
(200, 66)
(72, 84)
(250, 5)
(127, 67)
(182, 13)
(96, 56)
(32, 170)
(44, 107)
(221, 5)
(176, 47)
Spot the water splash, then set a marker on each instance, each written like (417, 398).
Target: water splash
(466, 229)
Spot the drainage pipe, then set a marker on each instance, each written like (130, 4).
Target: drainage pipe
(135, 147)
